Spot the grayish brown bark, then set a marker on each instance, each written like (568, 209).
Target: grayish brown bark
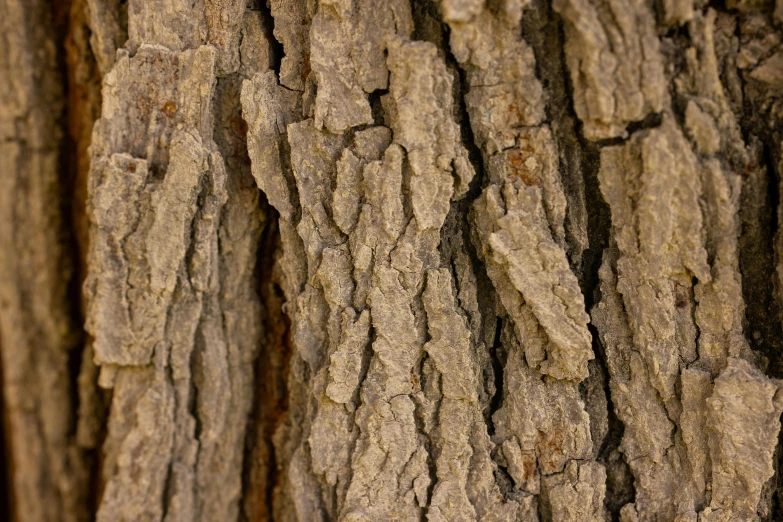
(361, 260)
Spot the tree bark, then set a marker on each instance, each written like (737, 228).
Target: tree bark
(368, 260)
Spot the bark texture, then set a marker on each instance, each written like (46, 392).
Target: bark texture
(369, 260)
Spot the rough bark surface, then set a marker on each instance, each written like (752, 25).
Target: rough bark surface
(369, 260)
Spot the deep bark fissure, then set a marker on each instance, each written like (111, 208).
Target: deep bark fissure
(269, 404)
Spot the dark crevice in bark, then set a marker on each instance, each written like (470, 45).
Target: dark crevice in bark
(277, 47)
(618, 492)
(270, 399)
(378, 114)
(757, 263)
(758, 258)
(650, 121)
(776, 507)
(619, 484)
(504, 481)
(543, 30)
(718, 5)
(759, 203)
(168, 484)
(498, 357)
(429, 446)
(428, 23)
(68, 167)
(81, 84)
(598, 226)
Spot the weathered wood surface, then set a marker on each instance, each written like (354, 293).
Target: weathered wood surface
(369, 260)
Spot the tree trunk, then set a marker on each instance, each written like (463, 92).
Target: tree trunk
(369, 260)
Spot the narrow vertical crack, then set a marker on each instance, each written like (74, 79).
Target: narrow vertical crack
(619, 484)
(757, 258)
(81, 83)
(278, 53)
(270, 400)
(758, 255)
(588, 217)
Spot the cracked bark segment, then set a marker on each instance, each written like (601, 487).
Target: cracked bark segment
(131, 243)
(268, 109)
(175, 206)
(677, 12)
(664, 315)
(314, 156)
(174, 25)
(346, 361)
(654, 177)
(713, 128)
(720, 324)
(224, 19)
(135, 128)
(108, 30)
(255, 49)
(647, 441)
(137, 483)
(389, 476)
(423, 124)
(521, 254)
(465, 487)
(504, 93)
(547, 418)
(710, 118)
(186, 322)
(347, 44)
(505, 101)
(652, 184)
(116, 190)
(577, 493)
(368, 146)
(507, 105)
(389, 471)
(449, 345)
(187, 232)
(612, 53)
(381, 219)
(292, 29)
(533, 161)
(329, 335)
(138, 117)
(743, 416)
(450, 351)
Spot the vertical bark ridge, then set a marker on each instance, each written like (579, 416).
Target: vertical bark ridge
(686, 443)
(175, 220)
(41, 338)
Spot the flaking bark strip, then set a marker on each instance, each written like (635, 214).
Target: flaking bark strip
(171, 295)
(671, 310)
